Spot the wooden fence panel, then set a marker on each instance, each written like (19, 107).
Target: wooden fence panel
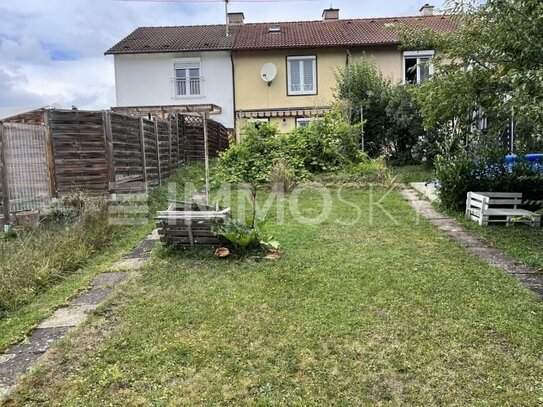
(150, 152)
(25, 166)
(163, 135)
(80, 152)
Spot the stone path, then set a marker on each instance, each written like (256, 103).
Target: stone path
(19, 358)
(528, 277)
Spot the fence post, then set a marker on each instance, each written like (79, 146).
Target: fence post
(142, 146)
(157, 152)
(108, 140)
(170, 145)
(50, 154)
(206, 155)
(181, 138)
(4, 175)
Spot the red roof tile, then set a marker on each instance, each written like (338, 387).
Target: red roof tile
(253, 36)
(344, 33)
(176, 39)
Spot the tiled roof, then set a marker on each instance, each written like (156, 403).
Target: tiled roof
(253, 36)
(176, 39)
(318, 34)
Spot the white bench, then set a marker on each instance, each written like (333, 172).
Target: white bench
(499, 207)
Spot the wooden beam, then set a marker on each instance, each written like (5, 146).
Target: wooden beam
(143, 162)
(4, 175)
(50, 154)
(108, 140)
(206, 155)
(157, 152)
(170, 144)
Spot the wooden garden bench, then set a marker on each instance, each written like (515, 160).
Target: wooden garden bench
(499, 207)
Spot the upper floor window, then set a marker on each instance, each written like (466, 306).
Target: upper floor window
(187, 78)
(417, 67)
(302, 75)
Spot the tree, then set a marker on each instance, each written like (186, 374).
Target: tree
(392, 122)
(492, 65)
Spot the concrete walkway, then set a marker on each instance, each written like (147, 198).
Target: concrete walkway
(528, 277)
(20, 358)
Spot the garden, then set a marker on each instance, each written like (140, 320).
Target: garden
(332, 291)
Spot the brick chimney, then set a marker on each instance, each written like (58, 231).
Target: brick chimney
(427, 10)
(236, 18)
(330, 14)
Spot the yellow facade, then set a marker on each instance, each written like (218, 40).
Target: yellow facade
(254, 98)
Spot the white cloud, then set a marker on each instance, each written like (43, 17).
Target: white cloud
(57, 57)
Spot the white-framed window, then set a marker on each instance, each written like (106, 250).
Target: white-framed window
(305, 121)
(417, 66)
(302, 75)
(187, 78)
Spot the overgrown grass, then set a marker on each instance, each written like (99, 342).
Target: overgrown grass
(413, 173)
(42, 268)
(40, 257)
(356, 313)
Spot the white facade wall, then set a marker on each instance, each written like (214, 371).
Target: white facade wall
(147, 80)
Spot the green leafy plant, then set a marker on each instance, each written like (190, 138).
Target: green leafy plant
(244, 237)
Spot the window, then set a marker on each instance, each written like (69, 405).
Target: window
(187, 78)
(302, 75)
(304, 121)
(417, 67)
(257, 121)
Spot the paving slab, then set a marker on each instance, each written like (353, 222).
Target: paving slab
(110, 279)
(40, 340)
(93, 296)
(68, 316)
(15, 366)
(143, 250)
(527, 276)
(130, 263)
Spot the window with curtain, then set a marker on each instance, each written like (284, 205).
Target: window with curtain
(417, 66)
(302, 75)
(187, 79)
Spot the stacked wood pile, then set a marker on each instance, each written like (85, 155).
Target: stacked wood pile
(190, 225)
(98, 152)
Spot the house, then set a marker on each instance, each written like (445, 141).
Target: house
(227, 65)
(177, 69)
(307, 55)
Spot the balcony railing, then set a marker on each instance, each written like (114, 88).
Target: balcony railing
(187, 87)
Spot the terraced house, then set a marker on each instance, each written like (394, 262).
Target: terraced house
(281, 72)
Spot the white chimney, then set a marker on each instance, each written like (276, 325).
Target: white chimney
(236, 18)
(330, 14)
(427, 10)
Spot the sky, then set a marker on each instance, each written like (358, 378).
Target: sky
(52, 51)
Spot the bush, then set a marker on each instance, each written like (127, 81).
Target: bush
(282, 176)
(325, 145)
(458, 174)
(392, 119)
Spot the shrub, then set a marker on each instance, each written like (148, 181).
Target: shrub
(282, 176)
(458, 174)
(325, 145)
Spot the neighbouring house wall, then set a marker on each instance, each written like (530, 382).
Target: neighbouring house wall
(253, 93)
(388, 60)
(147, 80)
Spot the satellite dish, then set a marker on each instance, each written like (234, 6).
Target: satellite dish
(268, 73)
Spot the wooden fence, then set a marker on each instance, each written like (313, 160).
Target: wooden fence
(96, 152)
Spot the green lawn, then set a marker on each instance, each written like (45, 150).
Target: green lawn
(352, 315)
(524, 243)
